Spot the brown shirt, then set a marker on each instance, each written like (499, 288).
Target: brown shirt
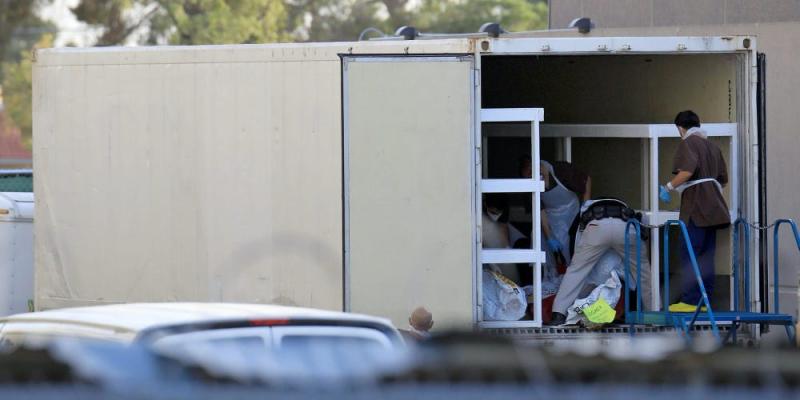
(571, 177)
(702, 203)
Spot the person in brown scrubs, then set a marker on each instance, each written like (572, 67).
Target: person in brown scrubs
(700, 173)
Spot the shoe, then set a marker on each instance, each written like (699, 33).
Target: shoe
(684, 308)
(557, 319)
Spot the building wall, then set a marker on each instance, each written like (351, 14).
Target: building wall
(665, 13)
(776, 23)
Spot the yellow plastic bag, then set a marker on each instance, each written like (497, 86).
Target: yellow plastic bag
(600, 312)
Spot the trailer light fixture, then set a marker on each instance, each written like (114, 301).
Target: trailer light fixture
(583, 25)
(625, 47)
(407, 32)
(492, 29)
(546, 47)
(681, 47)
(4, 211)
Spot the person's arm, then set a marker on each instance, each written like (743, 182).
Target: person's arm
(545, 225)
(723, 174)
(679, 179)
(685, 163)
(587, 195)
(549, 242)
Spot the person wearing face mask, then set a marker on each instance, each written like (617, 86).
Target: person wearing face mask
(495, 232)
(566, 187)
(700, 173)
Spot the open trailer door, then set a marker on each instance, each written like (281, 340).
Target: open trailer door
(409, 186)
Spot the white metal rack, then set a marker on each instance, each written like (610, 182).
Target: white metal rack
(653, 214)
(534, 255)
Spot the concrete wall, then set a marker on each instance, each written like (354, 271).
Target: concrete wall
(664, 13)
(776, 24)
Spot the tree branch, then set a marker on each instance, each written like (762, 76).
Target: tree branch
(172, 17)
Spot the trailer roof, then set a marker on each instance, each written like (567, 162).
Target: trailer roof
(317, 51)
(547, 43)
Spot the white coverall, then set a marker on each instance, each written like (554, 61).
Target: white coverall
(596, 238)
(561, 206)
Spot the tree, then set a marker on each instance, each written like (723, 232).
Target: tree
(344, 20)
(20, 28)
(17, 89)
(185, 21)
(449, 16)
(259, 21)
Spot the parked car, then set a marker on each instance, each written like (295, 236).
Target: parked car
(260, 342)
(16, 241)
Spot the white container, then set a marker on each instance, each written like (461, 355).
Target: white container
(328, 175)
(16, 252)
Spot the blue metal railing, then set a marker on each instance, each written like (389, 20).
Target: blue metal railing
(696, 269)
(635, 223)
(697, 274)
(740, 271)
(775, 246)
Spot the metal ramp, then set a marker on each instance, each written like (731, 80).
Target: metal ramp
(685, 322)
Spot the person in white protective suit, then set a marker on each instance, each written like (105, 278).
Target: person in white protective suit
(566, 187)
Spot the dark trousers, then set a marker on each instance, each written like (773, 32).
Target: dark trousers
(704, 243)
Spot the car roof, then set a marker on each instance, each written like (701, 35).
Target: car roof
(136, 317)
(16, 171)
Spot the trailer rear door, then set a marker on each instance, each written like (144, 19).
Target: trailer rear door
(409, 186)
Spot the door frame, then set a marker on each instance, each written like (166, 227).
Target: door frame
(746, 140)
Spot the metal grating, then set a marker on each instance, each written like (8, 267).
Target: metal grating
(550, 334)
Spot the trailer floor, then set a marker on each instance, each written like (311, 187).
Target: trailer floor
(547, 335)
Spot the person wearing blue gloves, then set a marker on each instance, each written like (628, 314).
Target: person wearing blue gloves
(663, 194)
(700, 173)
(566, 187)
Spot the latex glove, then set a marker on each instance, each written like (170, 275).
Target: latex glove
(553, 245)
(664, 194)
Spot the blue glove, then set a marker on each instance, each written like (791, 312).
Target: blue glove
(664, 194)
(553, 245)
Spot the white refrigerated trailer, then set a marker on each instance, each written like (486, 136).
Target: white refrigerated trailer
(350, 175)
(16, 250)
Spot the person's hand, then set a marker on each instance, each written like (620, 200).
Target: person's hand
(553, 245)
(664, 194)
